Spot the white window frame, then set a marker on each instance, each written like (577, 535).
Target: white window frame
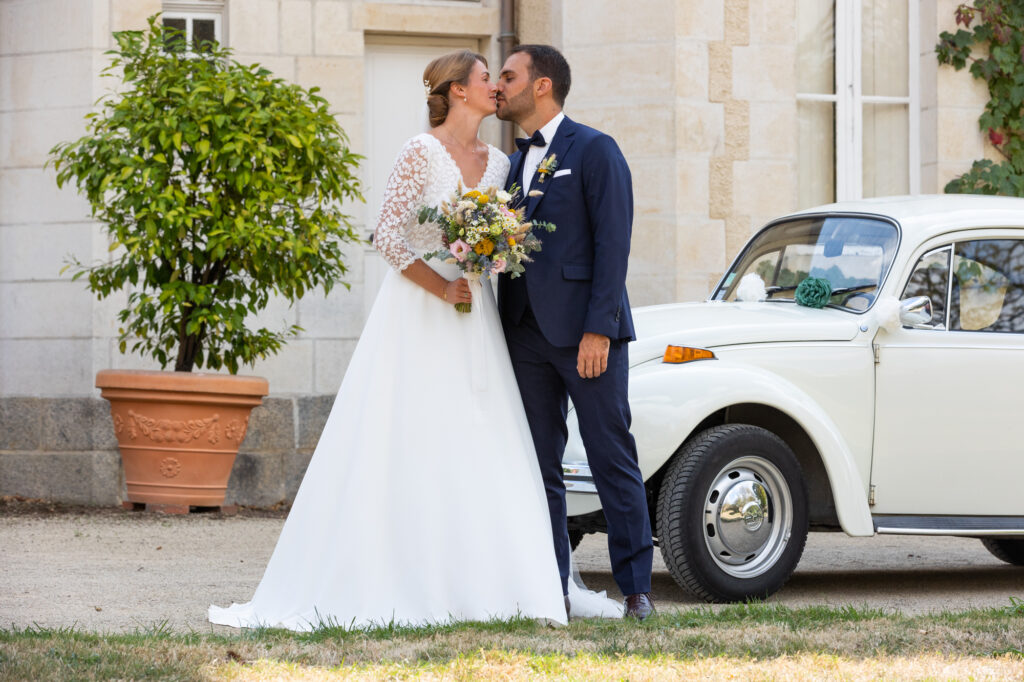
(849, 100)
(198, 9)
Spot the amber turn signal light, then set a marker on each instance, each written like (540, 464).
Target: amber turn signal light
(677, 355)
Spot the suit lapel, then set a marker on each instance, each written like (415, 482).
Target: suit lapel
(515, 177)
(559, 146)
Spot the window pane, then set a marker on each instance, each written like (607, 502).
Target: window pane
(884, 36)
(988, 286)
(816, 58)
(174, 39)
(816, 144)
(886, 151)
(203, 32)
(930, 278)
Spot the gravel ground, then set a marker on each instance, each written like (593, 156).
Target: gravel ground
(110, 570)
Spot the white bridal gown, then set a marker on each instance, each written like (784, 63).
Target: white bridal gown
(423, 502)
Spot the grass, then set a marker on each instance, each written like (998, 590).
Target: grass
(755, 641)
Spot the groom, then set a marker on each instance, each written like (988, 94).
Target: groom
(567, 320)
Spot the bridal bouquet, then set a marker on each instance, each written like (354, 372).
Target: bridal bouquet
(483, 234)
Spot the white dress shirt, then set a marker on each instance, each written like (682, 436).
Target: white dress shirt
(535, 154)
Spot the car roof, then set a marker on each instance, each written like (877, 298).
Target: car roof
(924, 215)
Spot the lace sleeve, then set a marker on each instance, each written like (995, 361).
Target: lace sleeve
(402, 198)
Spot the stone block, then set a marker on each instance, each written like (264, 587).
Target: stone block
(254, 26)
(46, 367)
(700, 127)
(737, 22)
(45, 310)
(45, 26)
(313, 412)
(651, 289)
(131, 15)
(959, 139)
(296, 27)
(653, 186)
(77, 424)
(340, 80)
(695, 285)
(764, 187)
(46, 80)
(62, 477)
(107, 478)
(928, 76)
(692, 184)
(930, 179)
(764, 73)
(644, 62)
(637, 136)
(332, 359)
(277, 316)
(295, 469)
(720, 172)
(257, 479)
(692, 70)
(719, 72)
(467, 19)
(738, 229)
(653, 250)
(30, 196)
(338, 315)
(700, 19)
(772, 22)
(291, 370)
(700, 244)
(773, 130)
(271, 427)
(959, 89)
(620, 22)
(26, 137)
(539, 21)
(38, 252)
(21, 423)
(333, 33)
(929, 135)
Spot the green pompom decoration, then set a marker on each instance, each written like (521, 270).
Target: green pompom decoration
(814, 292)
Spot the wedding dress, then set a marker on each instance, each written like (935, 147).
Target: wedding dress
(423, 502)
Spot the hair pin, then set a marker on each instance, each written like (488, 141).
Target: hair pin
(426, 88)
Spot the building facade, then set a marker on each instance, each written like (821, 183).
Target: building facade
(730, 112)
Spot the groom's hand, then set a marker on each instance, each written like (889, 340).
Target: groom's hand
(593, 358)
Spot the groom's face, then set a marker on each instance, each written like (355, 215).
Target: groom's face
(515, 89)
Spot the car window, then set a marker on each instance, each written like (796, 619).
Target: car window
(988, 286)
(931, 278)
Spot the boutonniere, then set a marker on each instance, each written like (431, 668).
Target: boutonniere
(547, 167)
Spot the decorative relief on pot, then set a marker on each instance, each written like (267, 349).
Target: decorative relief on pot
(214, 435)
(166, 430)
(118, 424)
(235, 430)
(170, 467)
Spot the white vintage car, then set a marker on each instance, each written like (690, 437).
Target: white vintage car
(896, 408)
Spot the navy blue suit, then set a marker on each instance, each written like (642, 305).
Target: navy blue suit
(577, 284)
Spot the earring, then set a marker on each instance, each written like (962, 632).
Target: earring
(465, 99)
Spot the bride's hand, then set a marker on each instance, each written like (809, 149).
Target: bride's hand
(457, 291)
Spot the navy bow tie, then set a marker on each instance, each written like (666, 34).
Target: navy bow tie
(535, 140)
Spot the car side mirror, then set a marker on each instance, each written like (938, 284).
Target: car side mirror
(916, 312)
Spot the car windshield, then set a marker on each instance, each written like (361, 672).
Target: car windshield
(852, 252)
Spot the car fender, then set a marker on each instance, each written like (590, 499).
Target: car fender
(668, 402)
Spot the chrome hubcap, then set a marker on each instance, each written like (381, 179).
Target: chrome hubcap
(748, 516)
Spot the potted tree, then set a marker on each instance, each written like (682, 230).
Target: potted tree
(218, 186)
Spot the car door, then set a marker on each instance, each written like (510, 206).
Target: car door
(949, 407)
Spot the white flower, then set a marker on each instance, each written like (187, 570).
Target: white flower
(751, 288)
(502, 196)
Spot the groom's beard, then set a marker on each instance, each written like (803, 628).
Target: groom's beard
(518, 107)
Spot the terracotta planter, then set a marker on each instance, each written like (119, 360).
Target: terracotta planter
(178, 433)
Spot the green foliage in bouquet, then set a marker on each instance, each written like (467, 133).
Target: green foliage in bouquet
(996, 31)
(218, 186)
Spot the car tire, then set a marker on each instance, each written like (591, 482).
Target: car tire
(1009, 550)
(746, 469)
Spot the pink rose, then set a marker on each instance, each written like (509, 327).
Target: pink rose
(498, 266)
(459, 249)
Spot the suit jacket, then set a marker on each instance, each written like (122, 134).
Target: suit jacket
(577, 281)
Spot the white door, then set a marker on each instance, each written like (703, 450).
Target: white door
(949, 432)
(395, 111)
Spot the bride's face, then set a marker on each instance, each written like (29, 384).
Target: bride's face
(480, 91)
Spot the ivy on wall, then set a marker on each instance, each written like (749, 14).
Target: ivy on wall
(990, 38)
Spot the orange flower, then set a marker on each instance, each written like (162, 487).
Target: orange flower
(484, 247)
(511, 241)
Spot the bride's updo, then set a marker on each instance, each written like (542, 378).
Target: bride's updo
(439, 76)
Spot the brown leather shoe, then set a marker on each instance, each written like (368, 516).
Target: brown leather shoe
(639, 606)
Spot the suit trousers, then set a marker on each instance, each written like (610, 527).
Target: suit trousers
(547, 378)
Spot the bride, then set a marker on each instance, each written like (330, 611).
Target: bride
(423, 502)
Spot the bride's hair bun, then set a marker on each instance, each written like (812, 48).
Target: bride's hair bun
(439, 76)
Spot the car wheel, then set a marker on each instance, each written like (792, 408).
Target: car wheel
(1009, 550)
(732, 513)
